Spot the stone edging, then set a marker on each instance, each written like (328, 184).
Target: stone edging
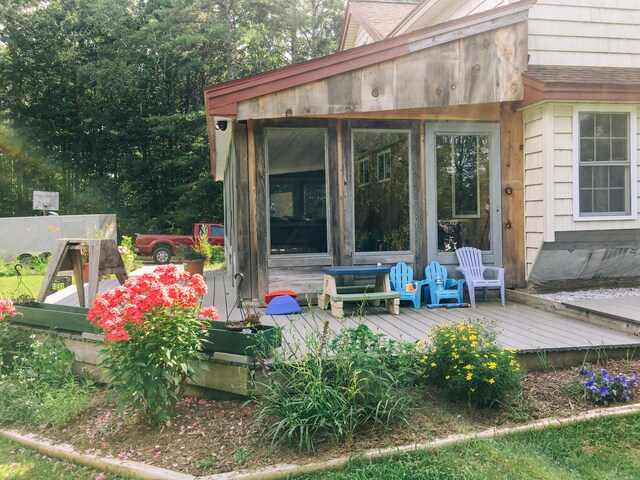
(149, 472)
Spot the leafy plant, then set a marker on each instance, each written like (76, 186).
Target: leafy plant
(130, 259)
(154, 331)
(342, 382)
(603, 388)
(37, 384)
(464, 359)
(217, 254)
(184, 252)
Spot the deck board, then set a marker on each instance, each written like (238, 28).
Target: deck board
(518, 326)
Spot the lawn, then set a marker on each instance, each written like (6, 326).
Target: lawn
(11, 287)
(603, 448)
(19, 463)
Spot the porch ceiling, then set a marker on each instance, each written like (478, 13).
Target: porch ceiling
(476, 59)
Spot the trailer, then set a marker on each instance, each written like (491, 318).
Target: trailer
(25, 237)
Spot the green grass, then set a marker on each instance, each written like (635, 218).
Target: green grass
(10, 286)
(597, 449)
(19, 463)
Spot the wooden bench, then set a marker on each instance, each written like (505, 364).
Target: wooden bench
(345, 289)
(392, 300)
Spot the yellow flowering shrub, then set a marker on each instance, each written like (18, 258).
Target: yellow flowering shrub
(464, 359)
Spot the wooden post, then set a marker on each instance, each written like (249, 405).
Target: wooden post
(513, 256)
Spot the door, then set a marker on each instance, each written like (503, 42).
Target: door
(463, 190)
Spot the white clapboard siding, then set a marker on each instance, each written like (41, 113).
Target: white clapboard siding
(585, 32)
(562, 32)
(362, 37)
(534, 177)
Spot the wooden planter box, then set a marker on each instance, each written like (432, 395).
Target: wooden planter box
(228, 341)
(61, 317)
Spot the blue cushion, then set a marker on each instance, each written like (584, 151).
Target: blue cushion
(283, 305)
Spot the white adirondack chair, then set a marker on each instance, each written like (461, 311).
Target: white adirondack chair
(470, 260)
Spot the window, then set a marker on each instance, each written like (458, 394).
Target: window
(216, 231)
(363, 172)
(605, 157)
(384, 165)
(463, 191)
(381, 208)
(297, 199)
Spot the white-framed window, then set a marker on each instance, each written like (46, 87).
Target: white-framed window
(363, 172)
(605, 162)
(384, 165)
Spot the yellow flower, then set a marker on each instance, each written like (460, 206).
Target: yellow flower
(474, 344)
(447, 377)
(469, 376)
(492, 365)
(433, 364)
(512, 363)
(472, 389)
(472, 337)
(493, 355)
(468, 367)
(492, 381)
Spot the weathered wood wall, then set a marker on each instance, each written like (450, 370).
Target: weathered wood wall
(512, 165)
(480, 68)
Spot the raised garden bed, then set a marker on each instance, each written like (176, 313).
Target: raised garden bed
(60, 317)
(244, 342)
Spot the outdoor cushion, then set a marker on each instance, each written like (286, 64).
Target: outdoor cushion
(282, 305)
(271, 295)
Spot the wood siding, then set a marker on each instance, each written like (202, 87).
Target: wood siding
(534, 179)
(512, 168)
(362, 37)
(585, 32)
(482, 68)
(564, 32)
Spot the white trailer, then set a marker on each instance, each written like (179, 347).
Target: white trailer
(21, 237)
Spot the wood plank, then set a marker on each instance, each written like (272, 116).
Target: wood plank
(245, 252)
(261, 211)
(253, 205)
(334, 189)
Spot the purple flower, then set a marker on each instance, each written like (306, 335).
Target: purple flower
(604, 391)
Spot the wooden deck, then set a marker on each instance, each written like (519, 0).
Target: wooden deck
(519, 326)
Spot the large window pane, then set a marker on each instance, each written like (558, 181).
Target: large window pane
(297, 190)
(604, 175)
(462, 163)
(381, 197)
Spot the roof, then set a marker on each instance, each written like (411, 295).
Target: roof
(222, 99)
(376, 17)
(580, 83)
(383, 16)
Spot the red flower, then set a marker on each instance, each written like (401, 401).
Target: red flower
(130, 305)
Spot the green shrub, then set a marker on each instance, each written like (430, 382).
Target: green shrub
(342, 383)
(217, 254)
(130, 259)
(37, 385)
(464, 359)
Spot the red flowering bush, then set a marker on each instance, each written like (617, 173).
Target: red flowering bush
(154, 329)
(7, 309)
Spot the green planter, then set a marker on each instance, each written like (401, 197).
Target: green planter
(60, 317)
(228, 341)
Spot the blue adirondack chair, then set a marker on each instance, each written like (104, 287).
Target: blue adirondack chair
(400, 276)
(470, 260)
(449, 288)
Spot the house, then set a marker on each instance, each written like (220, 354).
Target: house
(510, 126)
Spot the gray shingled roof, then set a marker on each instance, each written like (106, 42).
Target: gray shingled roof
(383, 16)
(591, 75)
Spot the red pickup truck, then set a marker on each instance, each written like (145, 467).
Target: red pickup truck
(163, 247)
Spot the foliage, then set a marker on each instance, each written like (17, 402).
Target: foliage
(184, 252)
(342, 383)
(202, 246)
(37, 384)
(603, 388)
(154, 330)
(130, 259)
(217, 255)
(103, 101)
(464, 359)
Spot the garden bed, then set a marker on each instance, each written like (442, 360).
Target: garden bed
(209, 436)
